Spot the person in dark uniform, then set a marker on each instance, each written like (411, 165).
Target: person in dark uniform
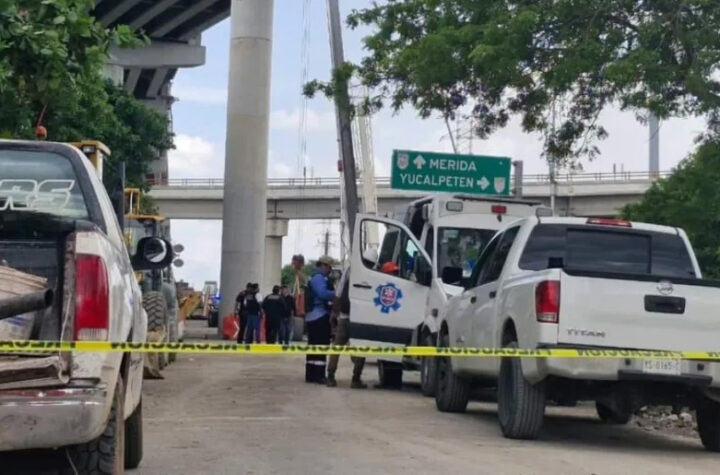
(252, 310)
(274, 308)
(286, 323)
(318, 319)
(239, 311)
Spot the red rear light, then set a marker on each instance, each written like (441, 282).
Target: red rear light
(547, 301)
(498, 209)
(92, 298)
(610, 222)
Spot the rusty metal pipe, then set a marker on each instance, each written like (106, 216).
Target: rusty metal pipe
(32, 302)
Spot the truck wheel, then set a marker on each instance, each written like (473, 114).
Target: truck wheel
(452, 392)
(428, 369)
(390, 374)
(708, 421)
(171, 302)
(104, 455)
(298, 328)
(610, 415)
(134, 438)
(521, 405)
(156, 309)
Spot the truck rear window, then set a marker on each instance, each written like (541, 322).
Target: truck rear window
(607, 250)
(40, 182)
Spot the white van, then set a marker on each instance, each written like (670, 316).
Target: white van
(404, 271)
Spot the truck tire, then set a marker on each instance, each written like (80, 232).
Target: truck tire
(134, 438)
(105, 454)
(428, 369)
(390, 374)
(452, 392)
(156, 309)
(298, 328)
(611, 416)
(521, 405)
(170, 295)
(708, 421)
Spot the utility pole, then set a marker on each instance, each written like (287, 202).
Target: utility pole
(342, 116)
(654, 152)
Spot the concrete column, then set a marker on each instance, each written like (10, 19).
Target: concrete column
(246, 147)
(275, 230)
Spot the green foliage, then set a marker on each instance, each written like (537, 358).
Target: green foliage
(540, 60)
(689, 199)
(51, 57)
(288, 273)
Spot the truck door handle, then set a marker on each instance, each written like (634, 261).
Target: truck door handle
(492, 294)
(362, 285)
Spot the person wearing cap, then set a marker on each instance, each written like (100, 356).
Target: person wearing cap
(318, 319)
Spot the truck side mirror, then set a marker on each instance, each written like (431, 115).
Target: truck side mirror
(452, 275)
(423, 270)
(152, 253)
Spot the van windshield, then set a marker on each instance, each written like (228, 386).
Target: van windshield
(460, 247)
(37, 181)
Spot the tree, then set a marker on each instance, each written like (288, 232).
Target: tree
(52, 53)
(554, 63)
(689, 199)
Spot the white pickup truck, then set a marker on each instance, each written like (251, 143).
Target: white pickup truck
(57, 223)
(590, 283)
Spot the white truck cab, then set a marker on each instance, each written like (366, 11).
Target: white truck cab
(405, 269)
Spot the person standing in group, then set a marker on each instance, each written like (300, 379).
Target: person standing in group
(286, 323)
(318, 319)
(240, 312)
(340, 320)
(251, 307)
(274, 308)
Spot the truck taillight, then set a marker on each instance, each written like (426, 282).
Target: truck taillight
(92, 298)
(547, 301)
(498, 209)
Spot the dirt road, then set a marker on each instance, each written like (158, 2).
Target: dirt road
(226, 415)
(255, 415)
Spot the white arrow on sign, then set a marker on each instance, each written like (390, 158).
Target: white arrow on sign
(484, 183)
(419, 162)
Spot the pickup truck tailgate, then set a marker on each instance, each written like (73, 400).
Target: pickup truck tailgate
(638, 313)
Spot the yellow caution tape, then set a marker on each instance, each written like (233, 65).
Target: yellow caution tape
(263, 349)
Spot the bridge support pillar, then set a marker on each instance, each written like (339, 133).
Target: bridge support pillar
(275, 230)
(246, 149)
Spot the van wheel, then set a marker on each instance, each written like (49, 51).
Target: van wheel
(105, 454)
(390, 374)
(708, 421)
(452, 393)
(521, 405)
(134, 438)
(610, 415)
(428, 369)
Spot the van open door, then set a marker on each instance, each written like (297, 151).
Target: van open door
(389, 285)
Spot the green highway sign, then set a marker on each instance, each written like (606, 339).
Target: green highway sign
(443, 172)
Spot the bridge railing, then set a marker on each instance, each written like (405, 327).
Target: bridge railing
(562, 178)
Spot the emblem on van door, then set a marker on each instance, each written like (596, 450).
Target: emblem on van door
(388, 297)
(665, 287)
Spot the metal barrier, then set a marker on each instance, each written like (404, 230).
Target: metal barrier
(563, 178)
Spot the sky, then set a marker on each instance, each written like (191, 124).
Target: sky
(199, 123)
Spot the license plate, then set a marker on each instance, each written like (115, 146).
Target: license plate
(660, 366)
